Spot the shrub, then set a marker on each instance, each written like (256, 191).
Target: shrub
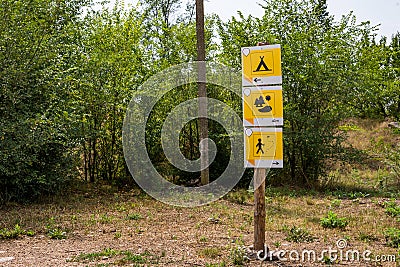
(333, 221)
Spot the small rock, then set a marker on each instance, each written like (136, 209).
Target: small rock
(6, 259)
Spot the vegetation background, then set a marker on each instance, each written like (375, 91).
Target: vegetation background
(68, 71)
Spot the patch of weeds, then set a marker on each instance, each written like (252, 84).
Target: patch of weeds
(117, 235)
(277, 244)
(298, 235)
(130, 257)
(392, 236)
(238, 256)
(211, 253)
(336, 203)
(333, 221)
(221, 264)
(127, 257)
(327, 260)
(108, 252)
(134, 259)
(56, 233)
(238, 253)
(392, 209)
(15, 233)
(367, 237)
(134, 216)
(239, 196)
(53, 231)
(120, 207)
(104, 219)
(349, 195)
(203, 239)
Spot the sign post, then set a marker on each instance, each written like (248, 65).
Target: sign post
(262, 113)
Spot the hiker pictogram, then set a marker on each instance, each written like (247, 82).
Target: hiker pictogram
(262, 65)
(259, 146)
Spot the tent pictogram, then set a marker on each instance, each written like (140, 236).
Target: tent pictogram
(262, 65)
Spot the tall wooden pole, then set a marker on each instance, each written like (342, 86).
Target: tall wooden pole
(201, 57)
(259, 202)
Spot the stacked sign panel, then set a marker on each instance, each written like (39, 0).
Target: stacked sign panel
(262, 106)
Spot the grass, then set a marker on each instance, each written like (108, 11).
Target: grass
(122, 257)
(211, 252)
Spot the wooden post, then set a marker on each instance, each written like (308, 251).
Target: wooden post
(259, 209)
(202, 91)
(259, 202)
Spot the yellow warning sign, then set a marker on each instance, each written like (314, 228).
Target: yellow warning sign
(262, 65)
(263, 148)
(262, 106)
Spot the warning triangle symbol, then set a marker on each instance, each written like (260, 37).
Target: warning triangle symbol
(262, 66)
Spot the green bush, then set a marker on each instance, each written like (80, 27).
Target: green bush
(392, 209)
(333, 221)
(34, 138)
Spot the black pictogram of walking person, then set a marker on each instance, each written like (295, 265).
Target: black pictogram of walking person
(262, 65)
(259, 145)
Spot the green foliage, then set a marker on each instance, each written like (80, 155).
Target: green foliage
(66, 78)
(127, 257)
(333, 221)
(392, 209)
(37, 44)
(392, 236)
(134, 216)
(15, 233)
(316, 62)
(211, 253)
(53, 231)
(237, 256)
(298, 235)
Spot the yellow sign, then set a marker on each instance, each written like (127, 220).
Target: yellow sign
(262, 106)
(262, 65)
(263, 148)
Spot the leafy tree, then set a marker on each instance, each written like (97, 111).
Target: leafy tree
(111, 64)
(36, 51)
(318, 72)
